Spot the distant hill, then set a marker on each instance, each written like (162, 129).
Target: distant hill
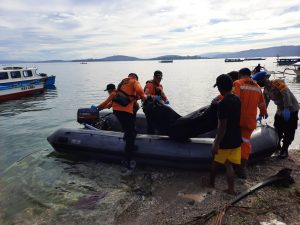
(176, 57)
(52, 61)
(263, 52)
(130, 58)
(110, 58)
(119, 58)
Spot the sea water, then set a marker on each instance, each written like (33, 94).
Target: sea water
(38, 186)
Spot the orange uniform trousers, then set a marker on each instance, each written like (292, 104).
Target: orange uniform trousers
(246, 144)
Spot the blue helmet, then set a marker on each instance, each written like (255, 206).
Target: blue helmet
(260, 75)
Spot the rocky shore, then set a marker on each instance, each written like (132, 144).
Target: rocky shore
(89, 192)
(167, 196)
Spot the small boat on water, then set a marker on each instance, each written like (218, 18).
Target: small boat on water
(234, 60)
(254, 58)
(17, 82)
(101, 138)
(287, 60)
(166, 61)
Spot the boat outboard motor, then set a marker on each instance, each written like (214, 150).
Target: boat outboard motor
(88, 116)
(161, 115)
(194, 124)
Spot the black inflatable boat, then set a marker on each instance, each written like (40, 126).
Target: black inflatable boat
(107, 142)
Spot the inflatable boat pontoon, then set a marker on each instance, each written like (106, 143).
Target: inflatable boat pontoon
(107, 143)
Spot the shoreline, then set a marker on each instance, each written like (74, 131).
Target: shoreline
(176, 197)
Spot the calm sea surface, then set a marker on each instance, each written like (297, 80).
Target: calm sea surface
(39, 187)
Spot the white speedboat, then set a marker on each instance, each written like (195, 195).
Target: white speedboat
(288, 60)
(17, 82)
(297, 68)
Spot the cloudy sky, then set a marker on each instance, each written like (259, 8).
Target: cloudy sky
(77, 29)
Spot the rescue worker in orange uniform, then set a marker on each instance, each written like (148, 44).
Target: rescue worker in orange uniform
(123, 100)
(107, 104)
(251, 98)
(155, 89)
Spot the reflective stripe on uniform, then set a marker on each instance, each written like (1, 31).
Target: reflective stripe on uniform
(245, 139)
(251, 88)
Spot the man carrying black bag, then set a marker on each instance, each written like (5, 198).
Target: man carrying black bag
(123, 101)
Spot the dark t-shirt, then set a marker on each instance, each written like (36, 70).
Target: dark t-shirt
(257, 69)
(230, 108)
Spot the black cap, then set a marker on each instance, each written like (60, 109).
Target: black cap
(224, 82)
(158, 73)
(110, 87)
(133, 74)
(234, 75)
(245, 72)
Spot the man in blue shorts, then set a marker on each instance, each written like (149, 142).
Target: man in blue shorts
(226, 148)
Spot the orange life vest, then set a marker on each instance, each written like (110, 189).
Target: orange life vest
(152, 88)
(279, 84)
(131, 88)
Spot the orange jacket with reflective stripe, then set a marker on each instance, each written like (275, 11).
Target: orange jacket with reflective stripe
(132, 88)
(155, 89)
(251, 98)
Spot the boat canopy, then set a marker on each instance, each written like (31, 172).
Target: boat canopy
(12, 68)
